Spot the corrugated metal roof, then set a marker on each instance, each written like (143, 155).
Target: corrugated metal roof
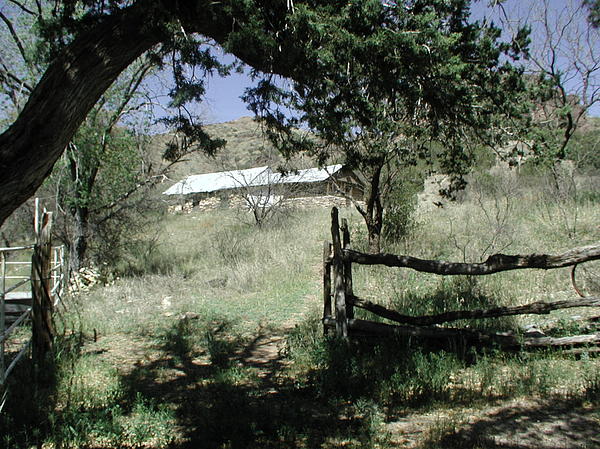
(311, 174)
(252, 177)
(212, 182)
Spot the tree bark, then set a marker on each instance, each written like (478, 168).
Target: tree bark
(79, 242)
(69, 88)
(536, 308)
(374, 213)
(43, 307)
(493, 264)
(337, 266)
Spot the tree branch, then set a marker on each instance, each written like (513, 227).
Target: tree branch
(22, 7)
(15, 37)
(536, 308)
(494, 263)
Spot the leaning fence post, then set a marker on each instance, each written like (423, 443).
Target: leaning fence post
(339, 290)
(42, 324)
(326, 285)
(347, 270)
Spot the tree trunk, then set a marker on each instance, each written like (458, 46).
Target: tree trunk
(68, 90)
(374, 233)
(79, 241)
(374, 214)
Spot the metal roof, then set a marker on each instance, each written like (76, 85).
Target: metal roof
(311, 174)
(252, 177)
(212, 182)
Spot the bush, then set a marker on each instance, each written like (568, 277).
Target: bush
(399, 217)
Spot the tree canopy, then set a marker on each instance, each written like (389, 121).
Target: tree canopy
(90, 42)
(421, 52)
(424, 84)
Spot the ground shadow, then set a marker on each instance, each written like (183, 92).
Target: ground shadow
(235, 396)
(547, 425)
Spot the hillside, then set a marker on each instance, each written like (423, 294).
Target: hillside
(246, 147)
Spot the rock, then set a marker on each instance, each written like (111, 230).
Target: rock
(189, 316)
(533, 332)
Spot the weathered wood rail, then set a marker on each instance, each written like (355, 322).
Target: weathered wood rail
(339, 298)
(29, 291)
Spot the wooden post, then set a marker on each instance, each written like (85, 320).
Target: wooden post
(347, 269)
(42, 324)
(327, 312)
(339, 290)
(2, 313)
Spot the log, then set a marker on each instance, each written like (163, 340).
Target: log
(327, 280)
(494, 264)
(383, 329)
(470, 336)
(338, 278)
(536, 308)
(42, 321)
(549, 342)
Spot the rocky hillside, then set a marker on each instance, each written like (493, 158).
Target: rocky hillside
(246, 147)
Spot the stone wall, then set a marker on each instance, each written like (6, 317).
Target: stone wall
(238, 202)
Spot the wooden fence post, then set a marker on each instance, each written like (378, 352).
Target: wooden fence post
(42, 323)
(326, 285)
(2, 315)
(339, 289)
(347, 269)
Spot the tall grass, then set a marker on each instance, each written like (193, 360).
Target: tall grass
(157, 357)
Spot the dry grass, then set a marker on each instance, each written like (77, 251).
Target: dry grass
(249, 366)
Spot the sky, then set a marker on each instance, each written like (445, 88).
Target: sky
(223, 101)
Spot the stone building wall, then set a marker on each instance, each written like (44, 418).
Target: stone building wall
(238, 202)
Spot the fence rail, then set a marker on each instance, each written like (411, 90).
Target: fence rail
(340, 300)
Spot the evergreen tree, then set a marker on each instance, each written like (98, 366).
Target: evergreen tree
(421, 85)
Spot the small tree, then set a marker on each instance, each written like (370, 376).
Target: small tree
(562, 64)
(422, 85)
(102, 165)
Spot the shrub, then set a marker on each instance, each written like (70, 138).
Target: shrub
(399, 217)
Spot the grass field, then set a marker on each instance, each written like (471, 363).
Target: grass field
(210, 337)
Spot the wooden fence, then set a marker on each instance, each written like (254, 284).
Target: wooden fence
(29, 291)
(340, 300)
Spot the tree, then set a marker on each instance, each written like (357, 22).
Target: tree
(563, 67)
(594, 12)
(92, 186)
(421, 85)
(93, 41)
(102, 166)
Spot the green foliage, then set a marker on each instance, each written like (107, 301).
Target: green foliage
(396, 86)
(594, 8)
(396, 78)
(156, 379)
(148, 425)
(399, 218)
